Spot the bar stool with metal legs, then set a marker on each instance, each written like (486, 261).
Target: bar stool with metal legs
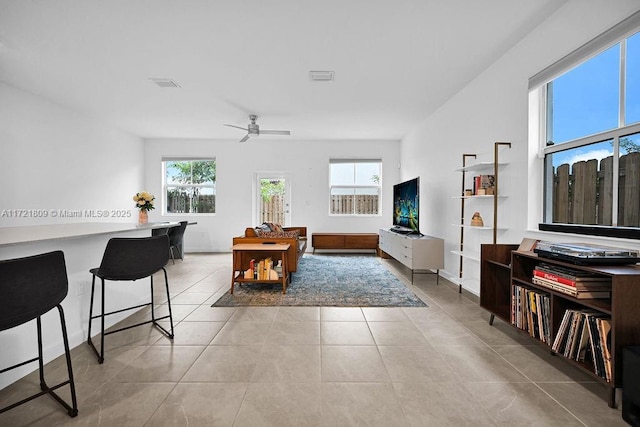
(129, 259)
(176, 237)
(29, 288)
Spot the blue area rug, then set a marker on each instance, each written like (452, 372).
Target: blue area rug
(329, 280)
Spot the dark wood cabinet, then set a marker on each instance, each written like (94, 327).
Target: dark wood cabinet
(503, 267)
(495, 279)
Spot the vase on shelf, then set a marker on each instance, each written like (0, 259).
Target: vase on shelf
(143, 217)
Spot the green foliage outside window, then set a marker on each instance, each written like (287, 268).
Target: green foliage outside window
(190, 186)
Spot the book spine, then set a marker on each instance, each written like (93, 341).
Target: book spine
(604, 329)
(553, 277)
(575, 282)
(565, 336)
(603, 292)
(555, 286)
(596, 348)
(267, 268)
(557, 343)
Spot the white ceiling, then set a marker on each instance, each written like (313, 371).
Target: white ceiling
(395, 62)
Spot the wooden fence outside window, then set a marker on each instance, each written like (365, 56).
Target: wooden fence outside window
(361, 204)
(273, 207)
(586, 196)
(182, 203)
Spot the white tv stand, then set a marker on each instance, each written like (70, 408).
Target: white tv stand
(418, 252)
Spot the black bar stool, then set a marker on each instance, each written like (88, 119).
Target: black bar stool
(29, 288)
(128, 259)
(176, 237)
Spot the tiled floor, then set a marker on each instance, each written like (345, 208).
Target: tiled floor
(292, 366)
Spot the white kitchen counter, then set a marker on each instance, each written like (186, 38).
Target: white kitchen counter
(83, 245)
(39, 233)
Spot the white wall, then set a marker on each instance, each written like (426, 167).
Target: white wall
(56, 159)
(494, 107)
(53, 159)
(307, 162)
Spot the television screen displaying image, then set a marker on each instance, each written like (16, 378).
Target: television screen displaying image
(406, 206)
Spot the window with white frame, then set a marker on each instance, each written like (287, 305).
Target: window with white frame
(189, 185)
(590, 136)
(354, 186)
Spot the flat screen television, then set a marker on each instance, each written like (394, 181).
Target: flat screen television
(406, 207)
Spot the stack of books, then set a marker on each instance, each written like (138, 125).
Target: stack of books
(578, 284)
(484, 185)
(262, 270)
(531, 312)
(584, 336)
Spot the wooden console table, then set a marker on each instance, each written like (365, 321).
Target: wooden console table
(344, 241)
(244, 252)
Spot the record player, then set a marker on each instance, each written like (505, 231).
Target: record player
(586, 254)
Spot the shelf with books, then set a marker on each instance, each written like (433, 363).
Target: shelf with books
(584, 336)
(600, 304)
(531, 312)
(258, 263)
(524, 273)
(483, 185)
(263, 270)
(614, 313)
(597, 291)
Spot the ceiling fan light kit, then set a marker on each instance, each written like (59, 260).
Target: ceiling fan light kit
(253, 129)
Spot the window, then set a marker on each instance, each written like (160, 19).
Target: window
(189, 186)
(585, 100)
(632, 96)
(591, 137)
(354, 187)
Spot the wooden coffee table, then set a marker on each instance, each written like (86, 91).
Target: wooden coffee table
(244, 252)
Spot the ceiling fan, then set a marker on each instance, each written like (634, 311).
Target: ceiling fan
(253, 129)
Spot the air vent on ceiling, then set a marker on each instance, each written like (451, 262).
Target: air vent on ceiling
(321, 76)
(165, 82)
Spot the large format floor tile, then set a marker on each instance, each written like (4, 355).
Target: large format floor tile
(288, 363)
(346, 333)
(200, 404)
(347, 363)
(441, 365)
(280, 404)
(224, 364)
(442, 404)
(361, 404)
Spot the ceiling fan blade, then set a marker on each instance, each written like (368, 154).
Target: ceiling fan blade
(245, 138)
(275, 132)
(234, 126)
